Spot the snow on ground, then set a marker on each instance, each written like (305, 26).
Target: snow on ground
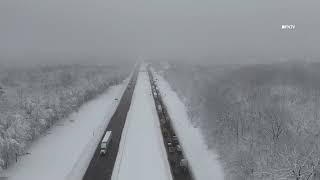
(142, 154)
(204, 163)
(66, 150)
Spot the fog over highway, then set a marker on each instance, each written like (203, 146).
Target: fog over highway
(53, 31)
(173, 89)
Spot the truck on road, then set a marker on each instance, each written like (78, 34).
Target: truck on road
(105, 143)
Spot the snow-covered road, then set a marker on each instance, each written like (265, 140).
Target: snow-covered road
(65, 152)
(204, 163)
(142, 154)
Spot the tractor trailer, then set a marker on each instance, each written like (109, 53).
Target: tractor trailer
(105, 143)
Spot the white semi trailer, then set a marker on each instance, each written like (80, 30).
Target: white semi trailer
(105, 143)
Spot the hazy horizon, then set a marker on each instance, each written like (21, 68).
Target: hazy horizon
(46, 32)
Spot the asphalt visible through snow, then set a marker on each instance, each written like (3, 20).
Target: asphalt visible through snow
(101, 167)
(169, 136)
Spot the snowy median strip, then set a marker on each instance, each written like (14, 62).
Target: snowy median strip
(203, 162)
(141, 153)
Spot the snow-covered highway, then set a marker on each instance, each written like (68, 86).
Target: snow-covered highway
(142, 154)
(204, 163)
(138, 151)
(101, 167)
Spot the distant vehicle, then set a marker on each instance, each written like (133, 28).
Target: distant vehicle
(105, 143)
(171, 148)
(184, 163)
(175, 139)
(179, 149)
(162, 120)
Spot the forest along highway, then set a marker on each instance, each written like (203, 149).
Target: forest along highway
(101, 167)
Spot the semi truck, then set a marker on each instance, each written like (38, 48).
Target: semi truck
(105, 143)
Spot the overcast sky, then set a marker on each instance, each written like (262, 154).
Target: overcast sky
(84, 30)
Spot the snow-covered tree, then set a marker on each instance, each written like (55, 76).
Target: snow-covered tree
(33, 99)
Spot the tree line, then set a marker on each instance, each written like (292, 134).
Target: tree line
(33, 99)
(263, 120)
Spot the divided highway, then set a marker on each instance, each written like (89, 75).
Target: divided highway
(100, 168)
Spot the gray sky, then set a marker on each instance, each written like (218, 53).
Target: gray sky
(82, 30)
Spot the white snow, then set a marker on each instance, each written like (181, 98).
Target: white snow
(204, 162)
(65, 152)
(142, 154)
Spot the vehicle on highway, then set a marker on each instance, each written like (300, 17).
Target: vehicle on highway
(175, 140)
(183, 164)
(171, 147)
(179, 149)
(105, 143)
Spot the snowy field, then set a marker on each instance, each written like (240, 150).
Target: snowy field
(142, 154)
(66, 150)
(204, 163)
